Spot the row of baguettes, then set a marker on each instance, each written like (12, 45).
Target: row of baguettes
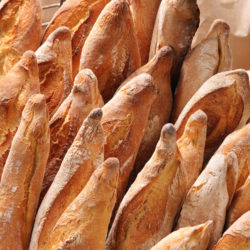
(150, 207)
(82, 155)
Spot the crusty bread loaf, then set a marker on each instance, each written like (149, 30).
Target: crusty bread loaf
(195, 238)
(237, 237)
(79, 16)
(240, 203)
(124, 121)
(210, 195)
(225, 98)
(159, 68)
(54, 60)
(111, 50)
(175, 26)
(67, 120)
(135, 221)
(15, 89)
(191, 147)
(147, 211)
(20, 30)
(239, 143)
(144, 14)
(23, 175)
(211, 56)
(82, 158)
(84, 224)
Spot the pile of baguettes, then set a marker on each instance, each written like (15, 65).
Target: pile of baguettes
(87, 160)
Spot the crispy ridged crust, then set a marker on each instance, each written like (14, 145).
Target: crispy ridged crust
(111, 50)
(20, 30)
(67, 120)
(124, 121)
(225, 98)
(84, 224)
(239, 143)
(55, 68)
(211, 56)
(240, 203)
(147, 211)
(23, 174)
(237, 236)
(144, 14)
(15, 89)
(175, 26)
(211, 195)
(82, 158)
(79, 16)
(195, 238)
(159, 68)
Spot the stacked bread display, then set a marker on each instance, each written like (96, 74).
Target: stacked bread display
(89, 158)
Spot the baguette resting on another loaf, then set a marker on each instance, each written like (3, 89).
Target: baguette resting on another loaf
(15, 89)
(84, 224)
(23, 175)
(186, 238)
(54, 60)
(67, 120)
(111, 50)
(82, 158)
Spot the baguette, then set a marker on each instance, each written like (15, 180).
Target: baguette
(79, 17)
(239, 143)
(111, 50)
(159, 68)
(67, 120)
(124, 122)
(209, 57)
(195, 238)
(225, 98)
(240, 203)
(15, 89)
(84, 224)
(54, 60)
(20, 30)
(23, 175)
(175, 26)
(210, 195)
(237, 236)
(144, 14)
(147, 211)
(82, 158)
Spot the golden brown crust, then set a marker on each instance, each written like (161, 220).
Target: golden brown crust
(240, 203)
(20, 30)
(211, 194)
(82, 158)
(225, 98)
(84, 224)
(175, 26)
(15, 89)
(239, 143)
(237, 236)
(23, 174)
(135, 221)
(159, 68)
(144, 14)
(111, 49)
(147, 211)
(211, 56)
(79, 17)
(124, 121)
(67, 120)
(54, 60)
(195, 238)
